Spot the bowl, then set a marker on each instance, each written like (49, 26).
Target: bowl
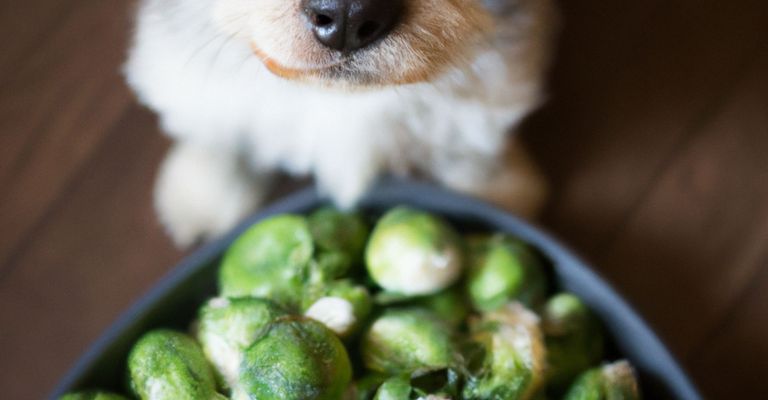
(174, 301)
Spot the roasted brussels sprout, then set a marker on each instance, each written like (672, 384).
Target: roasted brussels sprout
(170, 365)
(339, 239)
(501, 269)
(341, 305)
(409, 341)
(366, 387)
(435, 385)
(615, 381)
(294, 292)
(270, 260)
(397, 388)
(573, 337)
(413, 253)
(513, 359)
(92, 395)
(296, 358)
(226, 327)
(450, 305)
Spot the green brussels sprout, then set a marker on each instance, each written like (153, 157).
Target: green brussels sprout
(502, 269)
(296, 358)
(165, 364)
(413, 253)
(397, 388)
(615, 381)
(449, 305)
(366, 387)
(227, 327)
(270, 260)
(341, 305)
(92, 395)
(573, 337)
(435, 385)
(340, 240)
(513, 358)
(409, 340)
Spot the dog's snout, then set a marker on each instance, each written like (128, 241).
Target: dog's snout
(349, 25)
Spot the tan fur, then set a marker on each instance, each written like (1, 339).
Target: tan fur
(433, 36)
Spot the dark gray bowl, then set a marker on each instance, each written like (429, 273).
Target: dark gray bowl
(173, 302)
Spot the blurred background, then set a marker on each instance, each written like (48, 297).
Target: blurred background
(655, 140)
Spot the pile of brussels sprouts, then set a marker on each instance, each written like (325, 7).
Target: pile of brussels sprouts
(318, 307)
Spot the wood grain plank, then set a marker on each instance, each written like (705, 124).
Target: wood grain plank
(29, 27)
(54, 110)
(99, 249)
(24, 26)
(699, 237)
(621, 106)
(733, 363)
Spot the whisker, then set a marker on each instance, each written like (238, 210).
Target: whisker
(214, 37)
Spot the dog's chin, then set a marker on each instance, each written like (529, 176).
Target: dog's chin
(353, 72)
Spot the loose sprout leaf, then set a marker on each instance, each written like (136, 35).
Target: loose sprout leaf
(396, 388)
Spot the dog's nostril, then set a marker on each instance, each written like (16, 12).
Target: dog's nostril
(367, 30)
(321, 20)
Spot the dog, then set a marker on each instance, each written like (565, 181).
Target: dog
(343, 90)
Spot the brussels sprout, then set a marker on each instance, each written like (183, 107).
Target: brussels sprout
(295, 358)
(366, 387)
(342, 306)
(502, 269)
(573, 337)
(408, 341)
(92, 395)
(340, 239)
(270, 260)
(165, 364)
(610, 382)
(226, 327)
(397, 388)
(449, 305)
(513, 361)
(436, 385)
(413, 253)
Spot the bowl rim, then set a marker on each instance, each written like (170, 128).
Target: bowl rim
(615, 311)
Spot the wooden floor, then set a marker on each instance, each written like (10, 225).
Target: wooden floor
(655, 139)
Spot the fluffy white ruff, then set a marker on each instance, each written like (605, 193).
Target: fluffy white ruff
(226, 110)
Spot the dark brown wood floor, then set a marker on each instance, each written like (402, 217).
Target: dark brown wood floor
(655, 139)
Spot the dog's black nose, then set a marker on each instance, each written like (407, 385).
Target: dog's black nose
(348, 25)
